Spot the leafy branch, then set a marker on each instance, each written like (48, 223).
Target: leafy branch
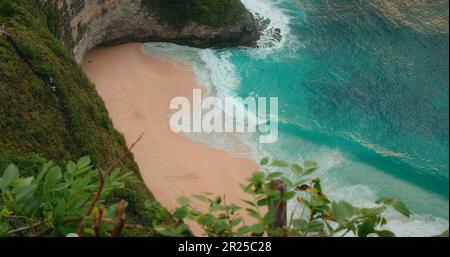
(58, 202)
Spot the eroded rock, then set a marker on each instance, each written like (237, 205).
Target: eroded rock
(88, 23)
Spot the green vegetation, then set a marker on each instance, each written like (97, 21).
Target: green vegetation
(57, 202)
(314, 215)
(48, 106)
(178, 13)
(6, 8)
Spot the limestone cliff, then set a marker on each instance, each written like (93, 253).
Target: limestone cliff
(85, 24)
(50, 111)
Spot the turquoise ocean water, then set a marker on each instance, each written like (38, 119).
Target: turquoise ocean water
(363, 90)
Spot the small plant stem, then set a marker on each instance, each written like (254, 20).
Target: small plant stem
(119, 222)
(102, 175)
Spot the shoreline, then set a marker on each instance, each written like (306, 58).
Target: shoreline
(137, 90)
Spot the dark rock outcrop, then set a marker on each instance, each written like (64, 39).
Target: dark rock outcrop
(87, 23)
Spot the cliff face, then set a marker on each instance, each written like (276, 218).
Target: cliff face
(49, 109)
(86, 24)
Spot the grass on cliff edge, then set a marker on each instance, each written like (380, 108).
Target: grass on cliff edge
(179, 13)
(48, 106)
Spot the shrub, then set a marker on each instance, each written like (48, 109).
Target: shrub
(59, 201)
(270, 191)
(6, 9)
(180, 12)
(53, 18)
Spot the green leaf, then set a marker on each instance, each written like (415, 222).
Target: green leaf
(24, 192)
(44, 171)
(258, 176)
(401, 208)
(279, 164)
(215, 207)
(274, 194)
(309, 171)
(71, 167)
(68, 177)
(396, 204)
(243, 231)
(4, 228)
(10, 175)
(201, 198)
(249, 203)
(368, 227)
(246, 188)
(115, 174)
(297, 169)
(84, 162)
(112, 210)
(314, 226)
(253, 213)
(269, 218)
(236, 221)
(26, 181)
(299, 224)
(309, 164)
(257, 229)
(60, 187)
(149, 204)
(205, 220)
(305, 202)
(265, 161)
(59, 213)
(385, 200)
(373, 211)
(289, 195)
(343, 211)
(180, 213)
(166, 230)
(184, 201)
(274, 175)
(220, 226)
(385, 233)
(181, 229)
(52, 177)
(263, 202)
(66, 229)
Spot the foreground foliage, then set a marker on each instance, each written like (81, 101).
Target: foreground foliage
(315, 214)
(76, 199)
(57, 202)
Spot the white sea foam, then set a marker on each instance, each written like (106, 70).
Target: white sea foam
(278, 20)
(417, 225)
(364, 195)
(218, 72)
(214, 71)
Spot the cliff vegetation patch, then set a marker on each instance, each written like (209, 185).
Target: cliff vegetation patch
(178, 13)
